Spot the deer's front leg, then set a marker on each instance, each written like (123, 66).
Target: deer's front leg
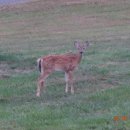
(71, 81)
(67, 82)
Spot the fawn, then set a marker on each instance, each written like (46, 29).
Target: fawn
(63, 62)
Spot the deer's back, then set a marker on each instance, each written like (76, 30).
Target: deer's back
(63, 62)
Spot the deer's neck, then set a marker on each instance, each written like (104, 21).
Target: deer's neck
(79, 57)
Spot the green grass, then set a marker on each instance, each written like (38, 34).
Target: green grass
(102, 85)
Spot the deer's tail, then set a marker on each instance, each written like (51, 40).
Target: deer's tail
(39, 64)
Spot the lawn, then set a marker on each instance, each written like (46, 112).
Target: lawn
(102, 81)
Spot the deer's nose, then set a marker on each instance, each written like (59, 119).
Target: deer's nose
(81, 52)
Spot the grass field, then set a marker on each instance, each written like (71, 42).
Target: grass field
(102, 82)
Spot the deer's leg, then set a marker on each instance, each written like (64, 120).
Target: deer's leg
(67, 82)
(41, 82)
(40, 85)
(71, 81)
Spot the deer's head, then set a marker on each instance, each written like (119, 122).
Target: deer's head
(81, 46)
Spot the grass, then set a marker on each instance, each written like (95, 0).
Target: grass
(101, 82)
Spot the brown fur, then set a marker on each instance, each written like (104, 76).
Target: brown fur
(63, 62)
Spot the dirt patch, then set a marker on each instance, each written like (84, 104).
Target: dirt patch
(6, 71)
(3, 71)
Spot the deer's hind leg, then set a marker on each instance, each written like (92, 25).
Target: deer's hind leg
(41, 82)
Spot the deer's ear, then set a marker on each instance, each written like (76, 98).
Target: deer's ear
(76, 44)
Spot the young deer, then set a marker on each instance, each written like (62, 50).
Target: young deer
(62, 62)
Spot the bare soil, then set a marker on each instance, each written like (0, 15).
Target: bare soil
(6, 71)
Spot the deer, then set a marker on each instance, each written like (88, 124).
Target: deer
(60, 62)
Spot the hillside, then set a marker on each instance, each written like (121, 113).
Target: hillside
(102, 86)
